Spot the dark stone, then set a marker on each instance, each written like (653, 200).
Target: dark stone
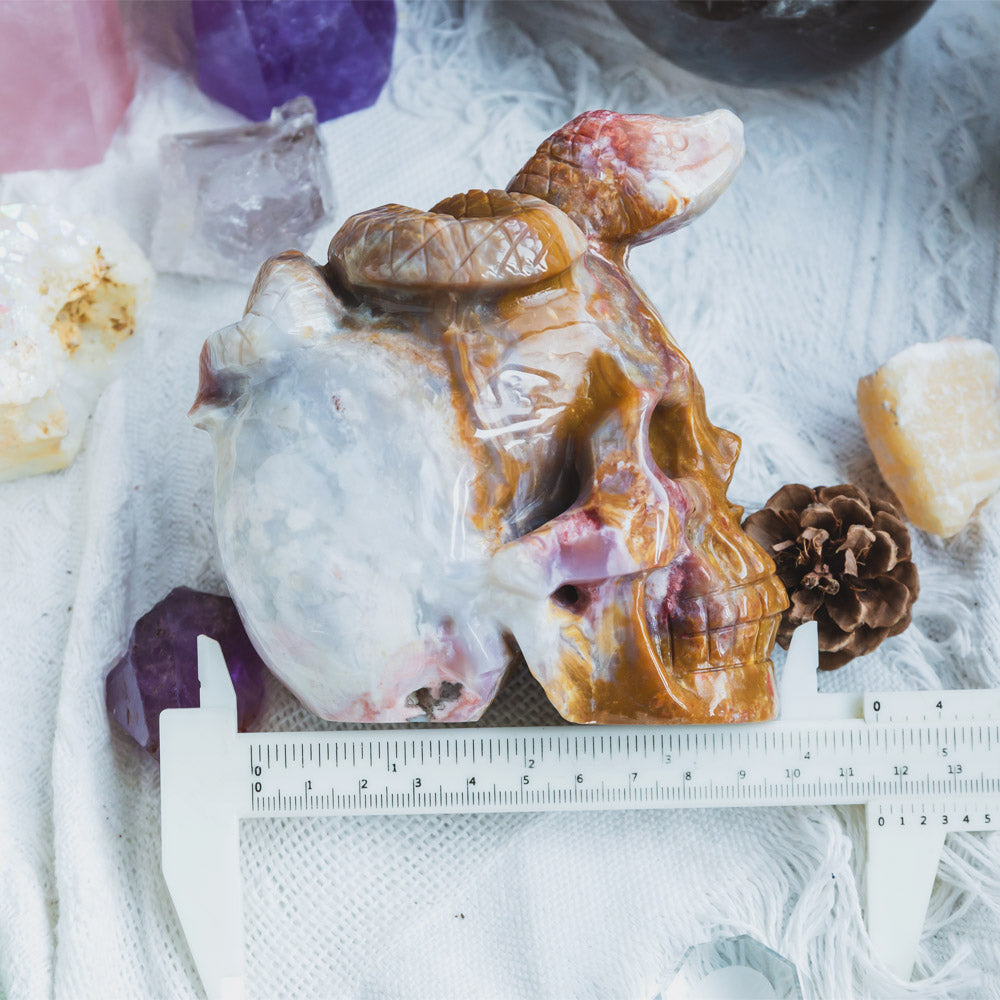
(769, 43)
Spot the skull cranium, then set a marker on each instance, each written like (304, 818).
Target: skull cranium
(471, 432)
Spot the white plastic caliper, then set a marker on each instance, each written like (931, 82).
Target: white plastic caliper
(922, 763)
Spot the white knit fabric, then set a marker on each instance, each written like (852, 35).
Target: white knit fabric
(865, 218)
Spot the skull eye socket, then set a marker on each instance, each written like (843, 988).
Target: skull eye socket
(666, 437)
(571, 597)
(683, 442)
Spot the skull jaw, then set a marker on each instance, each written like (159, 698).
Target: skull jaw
(592, 650)
(449, 677)
(735, 694)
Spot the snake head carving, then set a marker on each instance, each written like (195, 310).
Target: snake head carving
(631, 178)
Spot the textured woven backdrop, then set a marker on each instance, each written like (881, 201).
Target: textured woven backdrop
(865, 218)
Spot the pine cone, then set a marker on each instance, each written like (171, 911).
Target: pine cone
(844, 558)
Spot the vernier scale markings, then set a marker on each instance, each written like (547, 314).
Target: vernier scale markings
(924, 763)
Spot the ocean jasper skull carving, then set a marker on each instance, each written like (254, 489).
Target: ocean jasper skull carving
(469, 434)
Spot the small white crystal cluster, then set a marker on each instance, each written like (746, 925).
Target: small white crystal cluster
(70, 290)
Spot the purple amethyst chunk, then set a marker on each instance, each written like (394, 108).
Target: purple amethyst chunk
(257, 54)
(160, 668)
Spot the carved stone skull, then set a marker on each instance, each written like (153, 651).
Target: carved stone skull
(470, 434)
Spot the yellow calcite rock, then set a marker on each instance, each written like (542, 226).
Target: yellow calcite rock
(932, 417)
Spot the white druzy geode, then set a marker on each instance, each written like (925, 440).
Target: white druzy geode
(71, 288)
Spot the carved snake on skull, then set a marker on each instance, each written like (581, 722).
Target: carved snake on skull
(469, 435)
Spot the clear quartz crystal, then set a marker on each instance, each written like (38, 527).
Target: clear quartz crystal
(232, 197)
(736, 968)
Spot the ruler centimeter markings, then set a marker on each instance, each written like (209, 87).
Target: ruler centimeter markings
(790, 763)
(923, 764)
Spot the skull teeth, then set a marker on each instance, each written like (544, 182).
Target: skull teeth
(729, 608)
(722, 648)
(721, 629)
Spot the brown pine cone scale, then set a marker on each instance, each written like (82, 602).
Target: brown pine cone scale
(845, 560)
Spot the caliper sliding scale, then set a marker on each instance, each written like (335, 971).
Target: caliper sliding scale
(922, 763)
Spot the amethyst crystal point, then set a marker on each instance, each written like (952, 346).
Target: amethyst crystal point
(160, 668)
(256, 54)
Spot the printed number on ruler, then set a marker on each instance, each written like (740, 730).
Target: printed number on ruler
(488, 770)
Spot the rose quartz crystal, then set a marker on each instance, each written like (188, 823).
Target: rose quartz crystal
(65, 82)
